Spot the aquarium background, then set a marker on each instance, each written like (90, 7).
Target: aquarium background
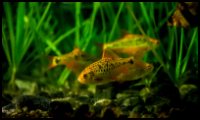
(31, 30)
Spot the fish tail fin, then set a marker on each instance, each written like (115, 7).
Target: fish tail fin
(51, 63)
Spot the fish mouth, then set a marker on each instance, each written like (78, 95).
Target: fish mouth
(80, 80)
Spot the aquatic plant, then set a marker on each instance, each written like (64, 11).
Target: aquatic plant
(35, 29)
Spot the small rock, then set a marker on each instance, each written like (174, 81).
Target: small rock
(103, 102)
(58, 94)
(100, 104)
(31, 113)
(169, 92)
(84, 100)
(8, 109)
(59, 108)
(190, 93)
(44, 94)
(25, 109)
(82, 111)
(110, 112)
(138, 108)
(134, 114)
(74, 103)
(147, 116)
(132, 101)
(33, 102)
(161, 108)
(106, 93)
(175, 113)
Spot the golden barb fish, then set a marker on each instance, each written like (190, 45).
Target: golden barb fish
(129, 44)
(109, 67)
(185, 15)
(136, 73)
(76, 60)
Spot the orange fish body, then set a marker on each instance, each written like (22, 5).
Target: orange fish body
(76, 60)
(130, 44)
(108, 68)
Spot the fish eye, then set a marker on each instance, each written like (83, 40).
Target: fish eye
(57, 60)
(85, 75)
(149, 67)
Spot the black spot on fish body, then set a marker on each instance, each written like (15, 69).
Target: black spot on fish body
(99, 66)
(76, 57)
(131, 42)
(92, 73)
(125, 43)
(57, 60)
(98, 79)
(131, 61)
(138, 41)
(83, 55)
(115, 45)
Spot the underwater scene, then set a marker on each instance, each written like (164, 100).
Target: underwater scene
(99, 59)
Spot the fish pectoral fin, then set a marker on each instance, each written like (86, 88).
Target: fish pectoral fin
(139, 55)
(114, 79)
(125, 71)
(120, 81)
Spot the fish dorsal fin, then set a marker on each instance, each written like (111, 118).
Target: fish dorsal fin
(109, 54)
(76, 48)
(124, 33)
(139, 55)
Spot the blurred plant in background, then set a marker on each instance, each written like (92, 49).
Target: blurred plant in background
(33, 29)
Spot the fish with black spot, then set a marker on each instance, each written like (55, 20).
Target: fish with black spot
(76, 60)
(113, 66)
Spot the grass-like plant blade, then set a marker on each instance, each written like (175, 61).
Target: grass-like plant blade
(152, 48)
(152, 17)
(154, 74)
(144, 11)
(109, 10)
(55, 43)
(5, 46)
(188, 52)
(65, 74)
(77, 19)
(53, 47)
(43, 16)
(171, 44)
(178, 63)
(9, 18)
(115, 22)
(63, 36)
(19, 32)
(130, 22)
(94, 12)
(103, 23)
